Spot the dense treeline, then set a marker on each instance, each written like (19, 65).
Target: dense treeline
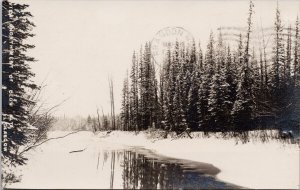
(140, 100)
(227, 88)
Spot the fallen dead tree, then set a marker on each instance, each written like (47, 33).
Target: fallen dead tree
(74, 151)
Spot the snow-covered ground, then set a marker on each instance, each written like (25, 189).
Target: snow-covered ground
(52, 166)
(251, 165)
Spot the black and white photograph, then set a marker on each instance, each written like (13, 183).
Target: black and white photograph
(150, 94)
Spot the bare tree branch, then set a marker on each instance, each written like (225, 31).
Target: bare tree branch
(33, 146)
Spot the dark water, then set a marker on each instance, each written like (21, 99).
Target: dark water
(142, 169)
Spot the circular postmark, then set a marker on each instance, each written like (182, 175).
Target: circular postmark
(165, 39)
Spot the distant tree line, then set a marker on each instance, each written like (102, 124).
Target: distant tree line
(103, 122)
(100, 123)
(223, 89)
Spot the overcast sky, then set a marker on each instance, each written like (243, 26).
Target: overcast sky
(80, 43)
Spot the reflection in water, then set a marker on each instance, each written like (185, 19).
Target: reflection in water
(112, 170)
(140, 171)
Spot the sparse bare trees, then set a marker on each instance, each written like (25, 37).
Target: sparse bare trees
(112, 103)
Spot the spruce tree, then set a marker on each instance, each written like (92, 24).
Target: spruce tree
(183, 79)
(296, 50)
(161, 100)
(239, 55)
(125, 112)
(276, 79)
(174, 92)
(218, 93)
(155, 112)
(288, 60)
(278, 55)
(169, 90)
(134, 93)
(286, 111)
(16, 80)
(200, 58)
(148, 103)
(295, 115)
(255, 75)
(206, 78)
(180, 123)
(193, 117)
(261, 69)
(210, 59)
(244, 105)
(231, 79)
(141, 81)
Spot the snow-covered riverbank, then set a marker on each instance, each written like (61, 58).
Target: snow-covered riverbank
(251, 165)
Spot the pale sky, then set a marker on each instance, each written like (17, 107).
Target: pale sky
(80, 43)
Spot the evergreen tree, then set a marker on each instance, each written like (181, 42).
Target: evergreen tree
(168, 92)
(286, 95)
(134, 93)
(161, 99)
(218, 93)
(173, 89)
(255, 75)
(227, 92)
(295, 114)
(141, 90)
(16, 80)
(193, 88)
(148, 103)
(210, 59)
(239, 55)
(200, 58)
(278, 55)
(206, 76)
(288, 61)
(231, 79)
(244, 105)
(214, 102)
(180, 123)
(277, 72)
(155, 112)
(261, 68)
(125, 112)
(193, 101)
(183, 79)
(296, 51)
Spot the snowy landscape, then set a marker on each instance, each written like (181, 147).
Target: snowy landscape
(252, 165)
(133, 95)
